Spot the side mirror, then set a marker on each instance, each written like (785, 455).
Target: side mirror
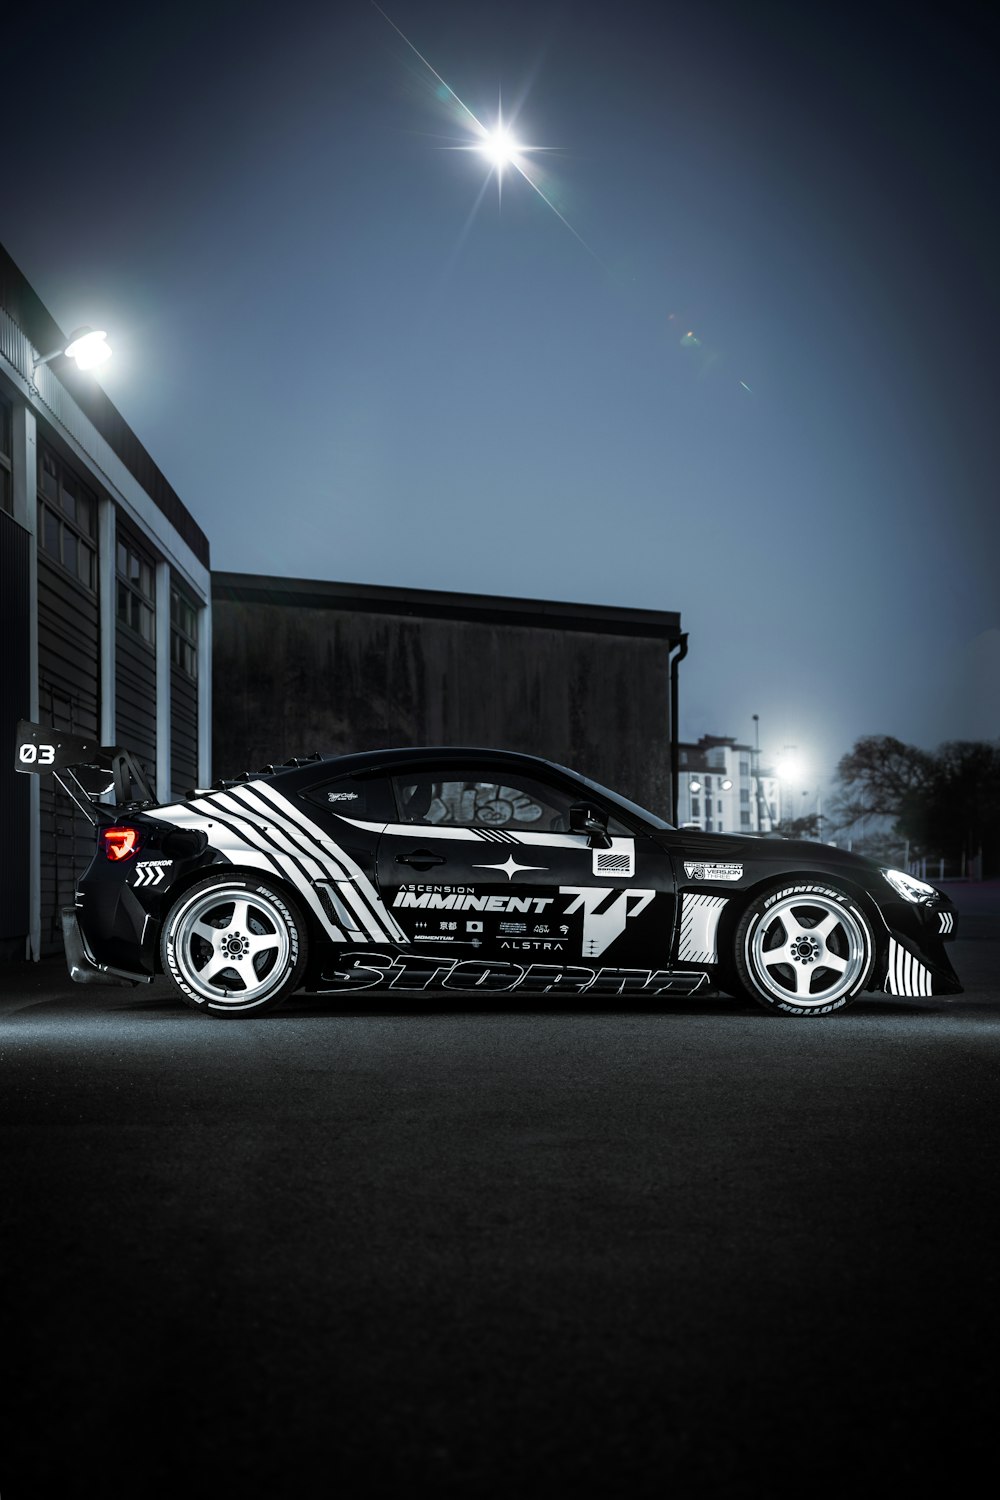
(585, 817)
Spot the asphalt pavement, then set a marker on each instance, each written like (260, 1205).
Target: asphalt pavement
(486, 1248)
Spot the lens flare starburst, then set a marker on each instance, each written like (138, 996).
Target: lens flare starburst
(495, 144)
(499, 148)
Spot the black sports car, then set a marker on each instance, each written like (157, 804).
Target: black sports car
(469, 869)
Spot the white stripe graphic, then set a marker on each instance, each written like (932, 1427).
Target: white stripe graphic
(449, 831)
(239, 812)
(699, 925)
(905, 974)
(290, 851)
(360, 888)
(242, 844)
(321, 866)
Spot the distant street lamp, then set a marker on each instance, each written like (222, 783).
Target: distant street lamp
(789, 767)
(89, 347)
(790, 774)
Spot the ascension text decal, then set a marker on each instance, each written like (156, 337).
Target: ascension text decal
(605, 909)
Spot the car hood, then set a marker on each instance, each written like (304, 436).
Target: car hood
(708, 847)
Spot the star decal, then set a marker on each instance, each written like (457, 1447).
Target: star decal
(510, 867)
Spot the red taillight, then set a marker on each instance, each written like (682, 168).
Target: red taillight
(120, 843)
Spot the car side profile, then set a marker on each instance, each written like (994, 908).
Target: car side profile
(463, 868)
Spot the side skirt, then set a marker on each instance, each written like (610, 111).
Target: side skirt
(414, 971)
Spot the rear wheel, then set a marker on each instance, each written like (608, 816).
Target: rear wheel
(234, 946)
(804, 950)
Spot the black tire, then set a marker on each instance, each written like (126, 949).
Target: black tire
(234, 946)
(803, 949)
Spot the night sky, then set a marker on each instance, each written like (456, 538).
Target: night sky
(741, 364)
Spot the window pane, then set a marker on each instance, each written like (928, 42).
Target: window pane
(50, 475)
(123, 598)
(68, 497)
(50, 532)
(122, 560)
(85, 508)
(69, 549)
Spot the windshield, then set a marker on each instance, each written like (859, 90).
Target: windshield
(642, 813)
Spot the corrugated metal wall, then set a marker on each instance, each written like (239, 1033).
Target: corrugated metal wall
(68, 698)
(183, 731)
(15, 690)
(135, 678)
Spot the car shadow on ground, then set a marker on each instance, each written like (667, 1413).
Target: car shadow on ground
(304, 1008)
(45, 991)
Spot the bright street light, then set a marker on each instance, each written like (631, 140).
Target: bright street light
(790, 766)
(89, 347)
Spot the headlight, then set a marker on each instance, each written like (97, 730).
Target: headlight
(909, 887)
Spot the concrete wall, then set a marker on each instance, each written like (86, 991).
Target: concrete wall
(291, 678)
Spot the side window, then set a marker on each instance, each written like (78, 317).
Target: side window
(468, 799)
(366, 797)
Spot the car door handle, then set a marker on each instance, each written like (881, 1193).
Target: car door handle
(420, 859)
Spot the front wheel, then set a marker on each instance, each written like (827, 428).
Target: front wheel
(804, 950)
(233, 946)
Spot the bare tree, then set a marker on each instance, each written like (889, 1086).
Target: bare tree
(946, 803)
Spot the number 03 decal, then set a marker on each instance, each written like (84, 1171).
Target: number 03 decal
(44, 755)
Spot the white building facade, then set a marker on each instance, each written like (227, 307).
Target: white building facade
(720, 789)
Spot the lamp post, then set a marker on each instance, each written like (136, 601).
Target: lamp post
(89, 347)
(790, 776)
(762, 814)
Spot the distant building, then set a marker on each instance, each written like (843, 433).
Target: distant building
(721, 790)
(105, 605)
(301, 665)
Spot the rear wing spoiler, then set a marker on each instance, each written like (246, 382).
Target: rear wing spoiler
(85, 770)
